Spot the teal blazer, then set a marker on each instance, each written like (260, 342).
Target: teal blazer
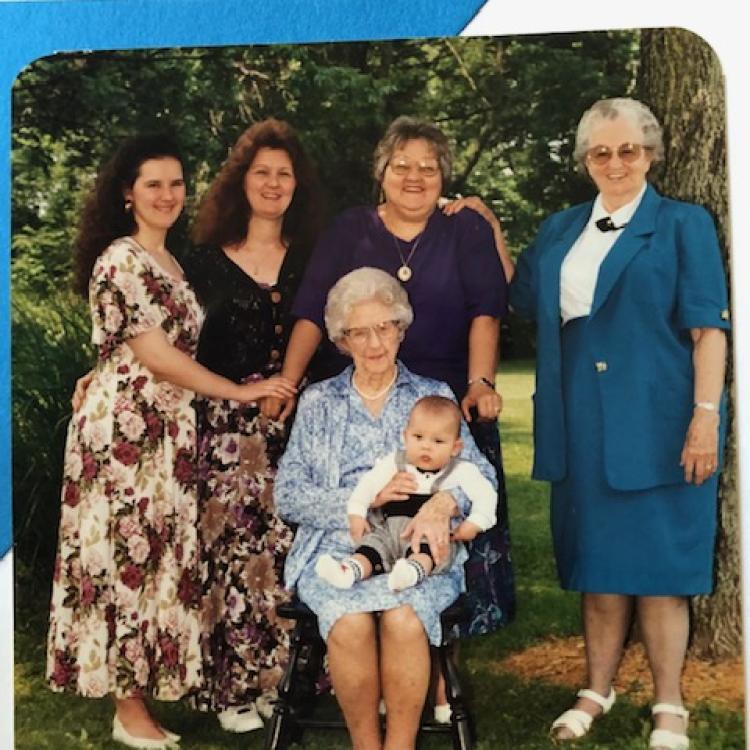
(662, 277)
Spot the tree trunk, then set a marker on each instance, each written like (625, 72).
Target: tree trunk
(682, 81)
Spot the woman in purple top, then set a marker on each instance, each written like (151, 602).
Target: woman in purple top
(455, 282)
(449, 266)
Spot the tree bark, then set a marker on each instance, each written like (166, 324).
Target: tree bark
(681, 80)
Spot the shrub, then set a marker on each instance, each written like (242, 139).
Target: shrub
(50, 350)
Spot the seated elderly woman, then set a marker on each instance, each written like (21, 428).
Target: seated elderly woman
(342, 425)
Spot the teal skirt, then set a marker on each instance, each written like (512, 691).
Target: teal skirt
(653, 542)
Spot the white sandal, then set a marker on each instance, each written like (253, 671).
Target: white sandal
(665, 739)
(240, 718)
(578, 721)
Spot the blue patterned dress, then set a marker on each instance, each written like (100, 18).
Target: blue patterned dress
(333, 442)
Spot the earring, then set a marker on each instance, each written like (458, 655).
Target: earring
(128, 206)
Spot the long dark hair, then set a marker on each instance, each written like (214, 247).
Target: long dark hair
(104, 214)
(224, 212)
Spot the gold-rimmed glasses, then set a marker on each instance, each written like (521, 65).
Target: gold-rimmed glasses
(425, 167)
(626, 152)
(386, 331)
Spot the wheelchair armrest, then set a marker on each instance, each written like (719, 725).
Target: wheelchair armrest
(455, 613)
(295, 610)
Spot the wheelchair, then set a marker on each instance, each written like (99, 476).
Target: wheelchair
(295, 706)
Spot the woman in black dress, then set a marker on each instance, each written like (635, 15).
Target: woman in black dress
(253, 232)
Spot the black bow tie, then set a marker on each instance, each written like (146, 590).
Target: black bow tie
(605, 224)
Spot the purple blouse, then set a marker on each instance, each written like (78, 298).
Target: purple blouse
(456, 276)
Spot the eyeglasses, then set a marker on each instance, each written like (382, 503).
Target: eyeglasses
(386, 331)
(626, 152)
(402, 167)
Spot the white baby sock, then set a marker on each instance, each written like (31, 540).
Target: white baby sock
(405, 573)
(342, 575)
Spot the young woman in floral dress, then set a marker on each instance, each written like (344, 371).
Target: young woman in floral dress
(124, 617)
(253, 232)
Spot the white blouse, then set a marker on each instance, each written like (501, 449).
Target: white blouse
(580, 269)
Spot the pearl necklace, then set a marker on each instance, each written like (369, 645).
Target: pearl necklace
(379, 394)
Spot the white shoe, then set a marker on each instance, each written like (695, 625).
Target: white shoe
(121, 735)
(664, 738)
(442, 713)
(240, 718)
(265, 703)
(578, 721)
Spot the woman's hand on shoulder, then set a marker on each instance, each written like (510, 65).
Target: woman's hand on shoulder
(399, 487)
(432, 524)
(699, 456)
(475, 203)
(79, 393)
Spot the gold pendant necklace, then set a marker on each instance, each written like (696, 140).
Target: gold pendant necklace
(404, 272)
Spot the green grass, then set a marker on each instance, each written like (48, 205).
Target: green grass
(511, 713)
(542, 607)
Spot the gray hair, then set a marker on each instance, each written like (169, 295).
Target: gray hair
(404, 129)
(365, 285)
(612, 109)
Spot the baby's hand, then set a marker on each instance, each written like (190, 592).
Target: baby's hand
(358, 526)
(398, 488)
(465, 532)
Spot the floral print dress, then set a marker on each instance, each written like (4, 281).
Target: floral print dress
(124, 615)
(245, 543)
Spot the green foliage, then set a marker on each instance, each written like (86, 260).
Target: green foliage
(510, 106)
(50, 351)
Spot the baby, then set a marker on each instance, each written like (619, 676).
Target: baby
(432, 445)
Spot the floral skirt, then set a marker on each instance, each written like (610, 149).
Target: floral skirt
(244, 545)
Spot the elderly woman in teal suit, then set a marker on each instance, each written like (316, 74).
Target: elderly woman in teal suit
(629, 296)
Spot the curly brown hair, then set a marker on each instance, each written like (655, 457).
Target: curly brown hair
(224, 212)
(104, 215)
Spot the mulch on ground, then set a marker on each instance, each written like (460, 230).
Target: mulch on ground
(562, 661)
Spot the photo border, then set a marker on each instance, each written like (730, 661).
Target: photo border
(31, 30)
